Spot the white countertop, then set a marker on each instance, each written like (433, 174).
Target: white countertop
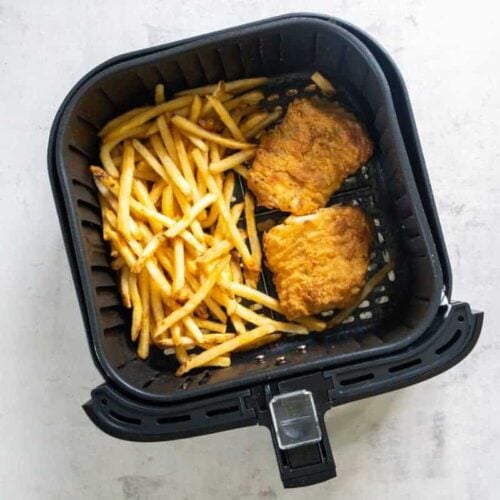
(437, 440)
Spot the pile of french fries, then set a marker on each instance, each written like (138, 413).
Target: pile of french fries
(166, 192)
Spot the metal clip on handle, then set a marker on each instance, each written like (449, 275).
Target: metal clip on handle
(300, 440)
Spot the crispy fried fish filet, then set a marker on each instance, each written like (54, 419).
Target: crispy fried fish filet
(319, 261)
(301, 162)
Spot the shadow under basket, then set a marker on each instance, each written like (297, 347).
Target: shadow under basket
(288, 385)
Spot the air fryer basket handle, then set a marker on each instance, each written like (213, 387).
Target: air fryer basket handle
(307, 464)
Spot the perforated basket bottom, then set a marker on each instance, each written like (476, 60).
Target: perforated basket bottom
(377, 312)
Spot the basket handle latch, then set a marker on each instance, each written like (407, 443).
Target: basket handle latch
(300, 439)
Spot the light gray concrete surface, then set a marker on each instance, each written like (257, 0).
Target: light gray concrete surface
(437, 440)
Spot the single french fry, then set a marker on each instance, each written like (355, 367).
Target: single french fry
(214, 152)
(168, 139)
(226, 118)
(159, 93)
(185, 165)
(259, 320)
(126, 178)
(253, 120)
(241, 170)
(147, 115)
(251, 294)
(212, 326)
(236, 269)
(121, 246)
(219, 362)
(152, 130)
(271, 118)
(119, 120)
(224, 348)
(176, 332)
(124, 287)
(232, 161)
(207, 339)
(193, 301)
(179, 266)
(370, 285)
(311, 323)
(136, 307)
(234, 86)
(238, 323)
(325, 86)
(216, 251)
(107, 147)
(193, 129)
(253, 237)
(167, 202)
(268, 339)
(194, 113)
(249, 98)
(156, 302)
(156, 191)
(144, 340)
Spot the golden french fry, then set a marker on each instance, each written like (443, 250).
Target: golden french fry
(268, 339)
(119, 120)
(241, 170)
(232, 161)
(228, 346)
(238, 323)
(179, 266)
(168, 139)
(137, 307)
(271, 118)
(159, 93)
(251, 294)
(226, 118)
(194, 113)
(216, 251)
(144, 340)
(156, 191)
(187, 170)
(311, 323)
(326, 87)
(193, 129)
(155, 299)
(124, 287)
(212, 326)
(259, 320)
(234, 86)
(125, 190)
(370, 285)
(253, 237)
(253, 120)
(249, 98)
(150, 113)
(167, 202)
(208, 339)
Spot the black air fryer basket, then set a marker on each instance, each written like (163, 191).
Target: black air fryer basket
(406, 331)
